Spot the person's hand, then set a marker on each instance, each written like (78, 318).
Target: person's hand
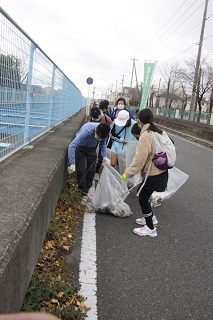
(124, 141)
(71, 168)
(106, 160)
(123, 177)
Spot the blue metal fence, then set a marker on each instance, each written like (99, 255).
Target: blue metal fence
(199, 117)
(35, 95)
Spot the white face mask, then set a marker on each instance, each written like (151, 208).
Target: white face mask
(120, 106)
(97, 137)
(140, 124)
(95, 120)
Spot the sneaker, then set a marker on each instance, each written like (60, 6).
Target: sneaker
(142, 221)
(145, 231)
(96, 177)
(84, 200)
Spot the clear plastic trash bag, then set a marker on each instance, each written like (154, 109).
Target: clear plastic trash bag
(110, 194)
(130, 153)
(176, 179)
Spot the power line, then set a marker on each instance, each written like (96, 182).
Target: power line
(166, 23)
(208, 37)
(176, 56)
(183, 35)
(180, 25)
(150, 45)
(149, 49)
(176, 29)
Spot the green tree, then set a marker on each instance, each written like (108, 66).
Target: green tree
(10, 71)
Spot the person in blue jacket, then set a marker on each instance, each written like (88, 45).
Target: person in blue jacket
(82, 153)
(120, 105)
(122, 128)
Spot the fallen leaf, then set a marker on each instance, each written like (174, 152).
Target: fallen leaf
(66, 248)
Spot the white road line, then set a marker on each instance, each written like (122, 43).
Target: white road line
(192, 142)
(88, 268)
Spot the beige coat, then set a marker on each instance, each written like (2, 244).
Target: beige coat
(141, 161)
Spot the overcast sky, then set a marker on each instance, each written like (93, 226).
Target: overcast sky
(98, 39)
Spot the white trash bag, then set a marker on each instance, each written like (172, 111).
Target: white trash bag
(110, 194)
(130, 153)
(176, 179)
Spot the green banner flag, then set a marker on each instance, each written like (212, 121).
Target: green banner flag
(148, 74)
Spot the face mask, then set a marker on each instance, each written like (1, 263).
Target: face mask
(120, 106)
(97, 137)
(140, 125)
(95, 120)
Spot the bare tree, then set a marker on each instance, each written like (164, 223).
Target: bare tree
(151, 97)
(205, 80)
(210, 106)
(170, 76)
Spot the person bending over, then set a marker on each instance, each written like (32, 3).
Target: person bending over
(82, 153)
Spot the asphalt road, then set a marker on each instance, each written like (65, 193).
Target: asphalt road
(170, 276)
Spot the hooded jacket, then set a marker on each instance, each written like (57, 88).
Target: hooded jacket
(145, 151)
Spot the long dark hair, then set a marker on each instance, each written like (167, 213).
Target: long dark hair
(146, 116)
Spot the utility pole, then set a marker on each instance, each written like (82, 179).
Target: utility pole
(133, 69)
(193, 106)
(111, 88)
(122, 82)
(157, 98)
(116, 81)
(93, 93)
(136, 78)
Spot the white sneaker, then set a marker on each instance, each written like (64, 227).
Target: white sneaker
(142, 221)
(145, 231)
(86, 199)
(96, 177)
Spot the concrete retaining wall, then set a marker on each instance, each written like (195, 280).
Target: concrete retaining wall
(31, 182)
(197, 131)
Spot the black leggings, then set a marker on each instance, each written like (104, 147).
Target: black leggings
(153, 183)
(144, 202)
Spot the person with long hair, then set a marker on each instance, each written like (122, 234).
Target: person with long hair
(156, 179)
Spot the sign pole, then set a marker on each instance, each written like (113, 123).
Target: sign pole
(89, 82)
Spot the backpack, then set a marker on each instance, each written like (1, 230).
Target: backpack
(165, 156)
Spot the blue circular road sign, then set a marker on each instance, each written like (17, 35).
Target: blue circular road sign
(90, 80)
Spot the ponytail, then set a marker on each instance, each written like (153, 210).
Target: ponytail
(146, 116)
(154, 128)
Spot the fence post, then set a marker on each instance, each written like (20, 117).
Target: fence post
(63, 100)
(52, 97)
(29, 94)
